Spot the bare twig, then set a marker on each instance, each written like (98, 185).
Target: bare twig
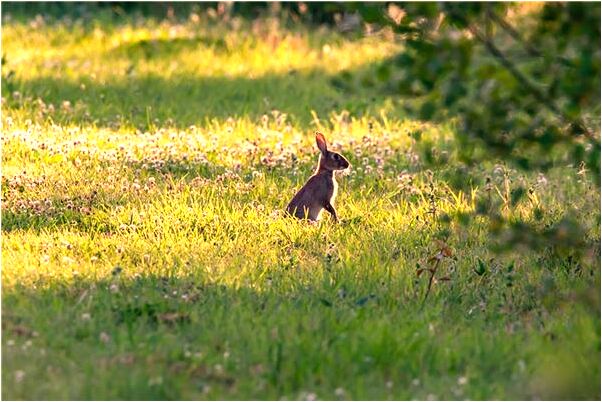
(433, 271)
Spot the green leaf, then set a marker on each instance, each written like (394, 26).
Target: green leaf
(480, 269)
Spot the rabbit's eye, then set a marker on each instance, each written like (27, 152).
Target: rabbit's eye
(336, 157)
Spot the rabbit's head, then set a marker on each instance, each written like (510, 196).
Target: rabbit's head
(329, 160)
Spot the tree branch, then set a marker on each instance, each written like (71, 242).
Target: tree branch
(517, 37)
(524, 81)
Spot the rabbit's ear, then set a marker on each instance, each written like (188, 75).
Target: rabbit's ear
(321, 141)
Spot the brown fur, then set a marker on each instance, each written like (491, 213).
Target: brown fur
(321, 189)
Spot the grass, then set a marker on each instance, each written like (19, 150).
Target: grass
(146, 165)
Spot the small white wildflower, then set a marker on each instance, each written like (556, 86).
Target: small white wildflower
(104, 337)
(19, 375)
(155, 381)
(68, 260)
(522, 366)
(541, 179)
(462, 380)
(86, 317)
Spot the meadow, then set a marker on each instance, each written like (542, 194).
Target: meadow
(146, 165)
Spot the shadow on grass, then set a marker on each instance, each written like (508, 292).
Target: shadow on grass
(125, 331)
(110, 338)
(149, 101)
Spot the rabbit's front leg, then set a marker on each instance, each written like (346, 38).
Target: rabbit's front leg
(330, 209)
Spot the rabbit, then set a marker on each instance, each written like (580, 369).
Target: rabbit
(321, 189)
